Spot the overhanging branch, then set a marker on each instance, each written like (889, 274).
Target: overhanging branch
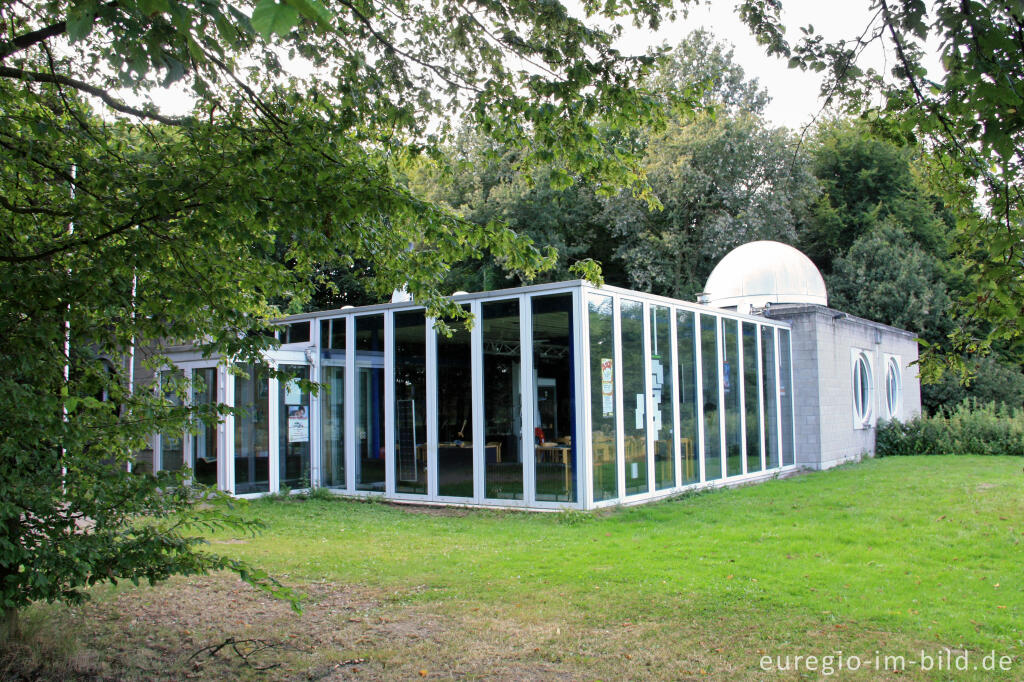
(82, 86)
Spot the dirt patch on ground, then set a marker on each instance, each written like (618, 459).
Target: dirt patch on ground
(218, 628)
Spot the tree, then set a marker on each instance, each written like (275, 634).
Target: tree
(121, 224)
(722, 175)
(969, 116)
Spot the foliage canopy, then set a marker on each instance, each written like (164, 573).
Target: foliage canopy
(121, 224)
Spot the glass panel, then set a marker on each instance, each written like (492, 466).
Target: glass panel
(410, 339)
(455, 412)
(295, 333)
(332, 336)
(172, 453)
(293, 428)
(252, 431)
(712, 429)
(634, 396)
(732, 388)
(661, 384)
(768, 377)
(689, 384)
(503, 476)
(554, 391)
(204, 443)
(602, 397)
(786, 398)
(751, 397)
(332, 425)
(369, 363)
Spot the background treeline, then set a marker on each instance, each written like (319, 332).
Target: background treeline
(854, 199)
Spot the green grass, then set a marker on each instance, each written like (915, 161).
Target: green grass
(927, 547)
(893, 555)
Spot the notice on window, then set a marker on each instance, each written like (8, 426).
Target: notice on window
(607, 388)
(298, 424)
(292, 392)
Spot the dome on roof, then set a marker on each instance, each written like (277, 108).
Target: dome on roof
(757, 273)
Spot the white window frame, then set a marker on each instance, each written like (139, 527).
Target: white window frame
(892, 403)
(864, 417)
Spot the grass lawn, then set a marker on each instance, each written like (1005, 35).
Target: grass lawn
(893, 556)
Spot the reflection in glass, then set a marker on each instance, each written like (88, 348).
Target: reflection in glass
(252, 431)
(661, 391)
(172, 453)
(771, 415)
(293, 428)
(410, 339)
(455, 412)
(731, 377)
(503, 475)
(332, 402)
(369, 362)
(602, 397)
(332, 414)
(752, 403)
(332, 337)
(554, 389)
(712, 428)
(204, 442)
(634, 396)
(786, 398)
(689, 384)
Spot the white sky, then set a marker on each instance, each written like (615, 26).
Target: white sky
(795, 94)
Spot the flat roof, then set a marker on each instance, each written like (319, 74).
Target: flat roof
(567, 285)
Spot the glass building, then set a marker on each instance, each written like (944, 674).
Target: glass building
(561, 395)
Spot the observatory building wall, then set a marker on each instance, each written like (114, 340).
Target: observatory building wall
(849, 375)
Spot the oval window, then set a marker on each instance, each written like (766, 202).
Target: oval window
(892, 388)
(862, 389)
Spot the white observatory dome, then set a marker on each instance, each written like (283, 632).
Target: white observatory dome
(757, 273)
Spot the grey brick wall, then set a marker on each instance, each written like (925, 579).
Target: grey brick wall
(824, 341)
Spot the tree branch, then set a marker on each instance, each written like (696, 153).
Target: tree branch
(70, 244)
(112, 102)
(27, 40)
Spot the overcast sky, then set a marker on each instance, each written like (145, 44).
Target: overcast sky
(795, 94)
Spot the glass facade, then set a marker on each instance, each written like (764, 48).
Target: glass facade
(332, 402)
(662, 422)
(252, 430)
(769, 389)
(554, 393)
(293, 416)
(203, 459)
(603, 441)
(502, 382)
(369, 369)
(455, 447)
(751, 398)
(710, 364)
(172, 446)
(689, 385)
(786, 398)
(634, 396)
(410, 415)
(498, 412)
(732, 390)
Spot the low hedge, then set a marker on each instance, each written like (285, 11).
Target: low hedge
(969, 429)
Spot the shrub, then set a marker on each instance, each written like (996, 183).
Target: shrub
(970, 428)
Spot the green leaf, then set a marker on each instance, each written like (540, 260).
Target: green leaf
(80, 24)
(313, 10)
(273, 17)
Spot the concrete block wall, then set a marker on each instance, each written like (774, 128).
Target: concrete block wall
(824, 341)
